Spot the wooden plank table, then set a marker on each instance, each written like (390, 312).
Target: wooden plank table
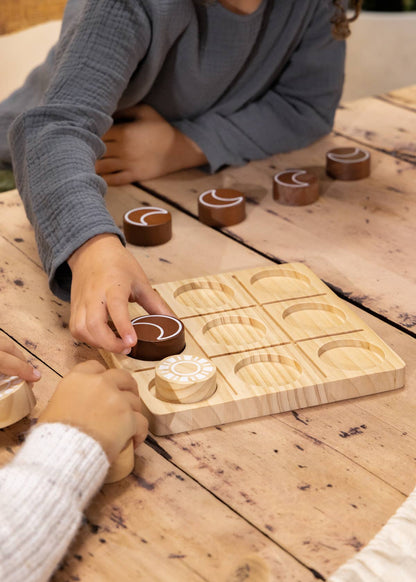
(303, 490)
(359, 236)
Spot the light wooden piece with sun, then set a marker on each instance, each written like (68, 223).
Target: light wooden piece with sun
(185, 378)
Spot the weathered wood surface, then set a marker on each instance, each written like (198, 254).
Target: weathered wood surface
(381, 124)
(405, 97)
(307, 488)
(158, 524)
(358, 237)
(20, 14)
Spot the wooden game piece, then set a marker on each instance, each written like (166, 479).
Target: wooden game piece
(348, 163)
(295, 187)
(16, 400)
(123, 465)
(221, 207)
(158, 336)
(147, 226)
(185, 378)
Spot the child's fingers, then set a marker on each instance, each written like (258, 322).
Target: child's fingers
(14, 366)
(94, 331)
(150, 300)
(142, 428)
(89, 367)
(9, 346)
(112, 149)
(124, 382)
(118, 178)
(99, 335)
(117, 304)
(108, 165)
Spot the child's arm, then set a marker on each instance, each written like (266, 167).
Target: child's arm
(54, 148)
(62, 464)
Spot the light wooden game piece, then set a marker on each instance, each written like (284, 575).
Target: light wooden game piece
(348, 163)
(158, 336)
(295, 187)
(147, 226)
(185, 378)
(16, 400)
(123, 465)
(294, 344)
(221, 207)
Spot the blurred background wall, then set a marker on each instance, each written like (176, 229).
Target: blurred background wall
(381, 52)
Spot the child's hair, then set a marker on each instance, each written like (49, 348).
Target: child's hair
(340, 21)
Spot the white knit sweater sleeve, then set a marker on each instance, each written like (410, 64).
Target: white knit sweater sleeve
(391, 554)
(43, 493)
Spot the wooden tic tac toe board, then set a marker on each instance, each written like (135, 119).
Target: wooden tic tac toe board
(280, 339)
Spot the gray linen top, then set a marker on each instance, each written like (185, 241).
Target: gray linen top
(243, 87)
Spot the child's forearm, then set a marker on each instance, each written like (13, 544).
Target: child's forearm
(43, 492)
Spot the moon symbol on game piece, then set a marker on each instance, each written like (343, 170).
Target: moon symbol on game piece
(350, 156)
(161, 335)
(292, 177)
(149, 211)
(223, 202)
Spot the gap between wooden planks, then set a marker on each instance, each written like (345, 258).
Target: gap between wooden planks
(405, 97)
(358, 237)
(385, 124)
(298, 499)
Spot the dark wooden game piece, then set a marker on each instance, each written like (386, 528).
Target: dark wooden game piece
(221, 207)
(295, 187)
(158, 336)
(348, 163)
(147, 226)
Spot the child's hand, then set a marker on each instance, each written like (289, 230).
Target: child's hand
(144, 146)
(105, 277)
(102, 403)
(13, 362)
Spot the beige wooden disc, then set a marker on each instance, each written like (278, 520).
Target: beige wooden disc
(16, 400)
(185, 378)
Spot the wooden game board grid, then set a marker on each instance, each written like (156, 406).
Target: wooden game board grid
(282, 361)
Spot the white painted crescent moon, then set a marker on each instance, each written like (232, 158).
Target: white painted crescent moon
(294, 176)
(151, 210)
(162, 331)
(349, 158)
(228, 201)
